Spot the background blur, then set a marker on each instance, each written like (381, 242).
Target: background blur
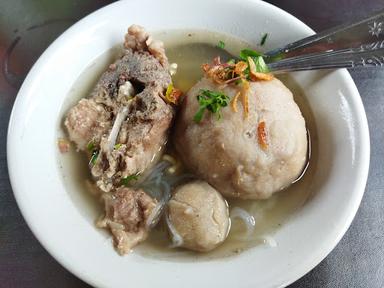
(27, 27)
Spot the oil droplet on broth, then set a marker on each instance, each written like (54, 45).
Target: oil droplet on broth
(190, 49)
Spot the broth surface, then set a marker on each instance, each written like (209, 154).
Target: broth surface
(190, 49)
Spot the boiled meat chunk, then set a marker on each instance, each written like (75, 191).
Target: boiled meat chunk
(87, 121)
(126, 214)
(125, 120)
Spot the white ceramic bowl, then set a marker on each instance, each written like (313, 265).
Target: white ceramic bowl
(307, 237)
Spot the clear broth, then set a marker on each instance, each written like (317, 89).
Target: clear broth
(189, 49)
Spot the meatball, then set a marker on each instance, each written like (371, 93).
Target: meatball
(245, 156)
(199, 214)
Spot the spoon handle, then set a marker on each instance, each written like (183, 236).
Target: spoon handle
(345, 58)
(366, 35)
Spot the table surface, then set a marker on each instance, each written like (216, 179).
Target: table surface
(28, 27)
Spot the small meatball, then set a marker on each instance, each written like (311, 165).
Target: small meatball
(87, 121)
(249, 156)
(126, 214)
(199, 214)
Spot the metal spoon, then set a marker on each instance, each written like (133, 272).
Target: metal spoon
(358, 44)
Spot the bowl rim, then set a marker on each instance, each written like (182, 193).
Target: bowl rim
(363, 171)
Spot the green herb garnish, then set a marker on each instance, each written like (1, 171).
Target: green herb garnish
(231, 61)
(125, 181)
(117, 146)
(212, 101)
(91, 146)
(245, 53)
(95, 154)
(260, 65)
(257, 57)
(263, 39)
(221, 44)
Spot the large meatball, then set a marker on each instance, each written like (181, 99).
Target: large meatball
(199, 214)
(246, 157)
